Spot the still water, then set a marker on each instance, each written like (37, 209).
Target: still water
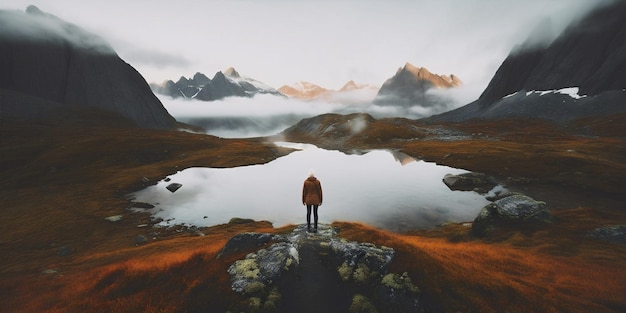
(382, 188)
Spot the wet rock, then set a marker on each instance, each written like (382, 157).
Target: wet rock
(142, 205)
(237, 220)
(515, 209)
(173, 187)
(613, 233)
(262, 276)
(396, 293)
(49, 272)
(478, 182)
(361, 304)
(245, 241)
(501, 195)
(114, 218)
(140, 240)
(361, 261)
(259, 270)
(65, 251)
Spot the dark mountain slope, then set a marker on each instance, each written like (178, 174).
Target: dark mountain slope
(590, 54)
(46, 57)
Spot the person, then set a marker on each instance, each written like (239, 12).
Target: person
(311, 198)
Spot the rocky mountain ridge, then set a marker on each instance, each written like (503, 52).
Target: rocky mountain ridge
(410, 85)
(49, 66)
(223, 84)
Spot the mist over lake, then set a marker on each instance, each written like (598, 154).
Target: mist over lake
(265, 115)
(386, 189)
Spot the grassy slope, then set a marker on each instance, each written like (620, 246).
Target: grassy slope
(57, 185)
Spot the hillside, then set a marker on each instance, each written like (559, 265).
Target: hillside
(47, 64)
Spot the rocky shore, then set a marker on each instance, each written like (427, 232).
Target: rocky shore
(337, 275)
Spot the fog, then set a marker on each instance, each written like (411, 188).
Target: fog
(324, 42)
(264, 114)
(38, 26)
(385, 189)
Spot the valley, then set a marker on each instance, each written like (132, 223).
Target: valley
(57, 242)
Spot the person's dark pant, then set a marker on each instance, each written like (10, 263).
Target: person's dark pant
(308, 215)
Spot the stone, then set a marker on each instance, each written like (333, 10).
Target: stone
(396, 293)
(612, 233)
(361, 304)
(244, 242)
(478, 182)
(65, 250)
(173, 187)
(362, 266)
(238, 220)
(515, 209)
(140, 240)
(114, 218)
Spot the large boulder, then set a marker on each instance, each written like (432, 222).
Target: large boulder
(514, 210)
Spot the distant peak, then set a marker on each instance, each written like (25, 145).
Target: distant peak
(231, 72)
(32, 9)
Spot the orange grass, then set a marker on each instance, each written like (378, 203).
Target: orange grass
(177, 275)
(480, 277)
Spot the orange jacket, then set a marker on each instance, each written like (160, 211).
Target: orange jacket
(312, 191)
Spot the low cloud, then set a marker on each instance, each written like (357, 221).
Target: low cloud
(38, 26)
(149, 57)
(265, 115)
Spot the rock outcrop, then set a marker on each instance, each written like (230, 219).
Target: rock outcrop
(588, 55)
(44, 57)
(478, 182)
(512, 210)
(353, 276)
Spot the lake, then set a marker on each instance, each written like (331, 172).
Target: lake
(382, 188)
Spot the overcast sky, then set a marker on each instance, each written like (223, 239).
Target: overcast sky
(328, 43)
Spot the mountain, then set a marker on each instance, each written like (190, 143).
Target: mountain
(309, 91)
(223, 84)
(410, 85)
(303, 90)
(48, 66)
(581, 73)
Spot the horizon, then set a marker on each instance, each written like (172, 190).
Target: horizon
(328, 43)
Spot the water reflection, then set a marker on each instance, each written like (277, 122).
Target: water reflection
(385, 189)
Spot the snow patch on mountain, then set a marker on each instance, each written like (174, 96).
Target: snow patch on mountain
(570, 91)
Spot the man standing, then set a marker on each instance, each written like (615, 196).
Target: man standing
(312, 198)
